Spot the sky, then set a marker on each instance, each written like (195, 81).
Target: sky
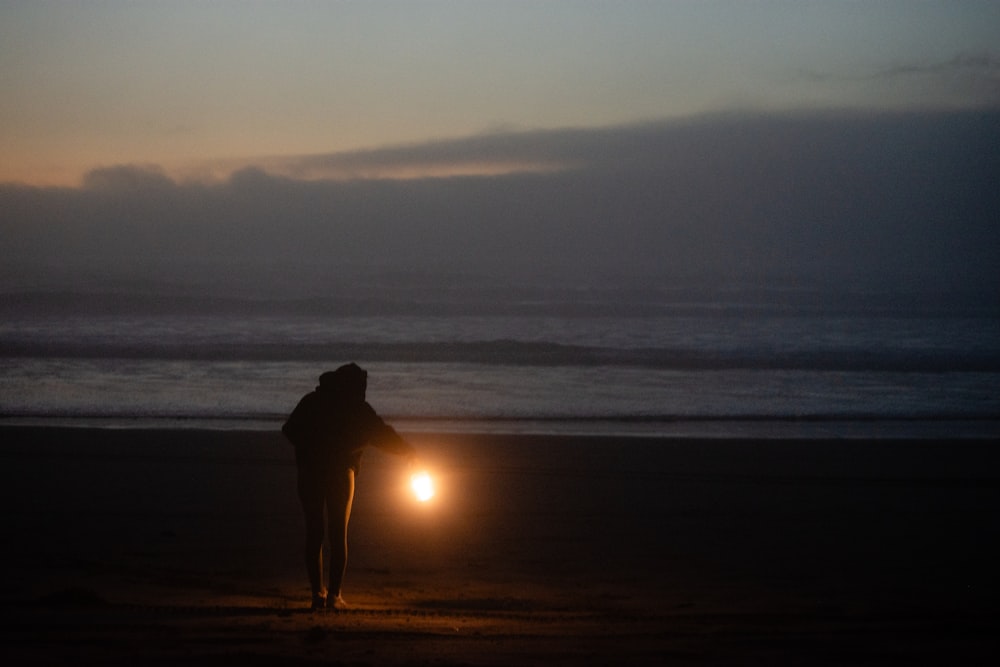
(205, 87)
(664, 138)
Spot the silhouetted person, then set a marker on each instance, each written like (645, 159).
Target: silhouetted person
(329, 429)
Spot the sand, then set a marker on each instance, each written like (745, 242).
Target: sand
(183, 547)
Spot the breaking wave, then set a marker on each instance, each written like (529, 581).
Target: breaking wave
(521, 353)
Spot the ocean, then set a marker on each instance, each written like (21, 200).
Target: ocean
(691, 368)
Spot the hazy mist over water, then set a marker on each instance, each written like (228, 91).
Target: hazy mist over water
(802, 205)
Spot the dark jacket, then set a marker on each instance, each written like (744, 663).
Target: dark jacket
(334, 423)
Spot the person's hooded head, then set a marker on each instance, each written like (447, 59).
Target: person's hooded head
(348, 382)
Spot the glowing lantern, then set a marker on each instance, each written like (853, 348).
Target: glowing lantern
(423, 487)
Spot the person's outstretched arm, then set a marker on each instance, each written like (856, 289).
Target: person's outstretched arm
(386, 438)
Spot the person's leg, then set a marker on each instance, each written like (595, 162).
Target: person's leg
(340, 498)
(312, 497)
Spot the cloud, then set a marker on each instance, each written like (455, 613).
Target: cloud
(488, 154)
(485, 155)
(982, 64)
(119, 178)
(827, 200)
(963, 81)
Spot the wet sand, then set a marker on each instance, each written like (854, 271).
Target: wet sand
(183, 546)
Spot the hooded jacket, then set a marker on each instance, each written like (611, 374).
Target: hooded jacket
(333, 423)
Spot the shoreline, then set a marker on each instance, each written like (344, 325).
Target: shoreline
(183, 545)
(741, 428)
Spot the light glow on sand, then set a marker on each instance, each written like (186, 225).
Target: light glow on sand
(422, 485)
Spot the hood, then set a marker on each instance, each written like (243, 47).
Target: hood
(349, 382)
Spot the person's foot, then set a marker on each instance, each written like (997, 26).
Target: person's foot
(319, 602)
(338, 604)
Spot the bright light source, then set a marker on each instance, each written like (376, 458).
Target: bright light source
(422, 486)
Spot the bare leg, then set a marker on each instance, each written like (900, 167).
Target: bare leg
(339, 502)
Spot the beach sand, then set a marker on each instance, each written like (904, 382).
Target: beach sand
(184, 547)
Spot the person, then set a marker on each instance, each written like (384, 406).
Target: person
(329, 428)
